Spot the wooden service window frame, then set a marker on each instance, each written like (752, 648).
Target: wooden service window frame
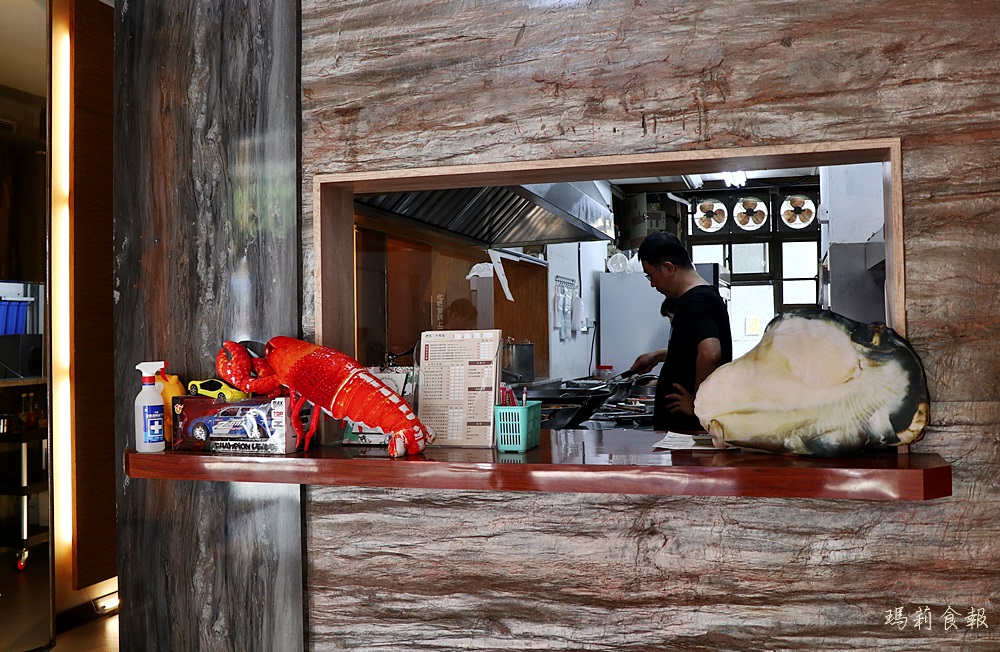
(334, 217)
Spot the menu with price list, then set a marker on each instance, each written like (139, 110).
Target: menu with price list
(457, 387)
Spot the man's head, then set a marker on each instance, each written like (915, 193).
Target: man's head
(661, 247)
(662, 255)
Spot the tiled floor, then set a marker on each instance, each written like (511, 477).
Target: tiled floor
(98, 636)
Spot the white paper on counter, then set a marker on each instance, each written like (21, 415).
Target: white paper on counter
(675, 440)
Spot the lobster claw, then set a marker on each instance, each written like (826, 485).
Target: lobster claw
(236, 367)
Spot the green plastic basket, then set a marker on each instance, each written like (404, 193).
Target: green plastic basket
(517, 426)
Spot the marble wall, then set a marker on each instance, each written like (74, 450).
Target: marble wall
(206, 249)
(389, 84)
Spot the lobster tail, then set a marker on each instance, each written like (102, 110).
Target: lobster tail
(410, 441)
(364, 394)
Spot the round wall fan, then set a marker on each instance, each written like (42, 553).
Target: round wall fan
(711, 215)
(798, 211)
(750, 213)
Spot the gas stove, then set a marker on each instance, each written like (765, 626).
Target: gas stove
(632, 413)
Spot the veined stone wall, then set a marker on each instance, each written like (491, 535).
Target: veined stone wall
(205, 241)
(390, 84)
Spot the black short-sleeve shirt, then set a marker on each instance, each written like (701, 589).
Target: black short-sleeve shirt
(701, 314)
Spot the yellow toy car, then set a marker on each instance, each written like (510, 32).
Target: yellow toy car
(216, 389)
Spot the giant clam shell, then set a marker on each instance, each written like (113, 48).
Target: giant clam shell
(820, 384)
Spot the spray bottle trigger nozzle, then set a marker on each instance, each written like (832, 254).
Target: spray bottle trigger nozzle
(150, 368)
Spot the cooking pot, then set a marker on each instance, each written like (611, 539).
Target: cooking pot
(519, 361)
(644, 387)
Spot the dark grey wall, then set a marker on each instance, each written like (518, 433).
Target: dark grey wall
(206, 244)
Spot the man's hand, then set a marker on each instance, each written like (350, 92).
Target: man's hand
(645, 362)
(682, 401)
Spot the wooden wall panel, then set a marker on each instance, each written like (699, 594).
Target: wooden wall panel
(205, 249)
(92, 294)
(393, 85)
(526, 318)
(408, 289)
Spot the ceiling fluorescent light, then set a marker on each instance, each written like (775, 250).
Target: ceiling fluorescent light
(738, 178)
(693, 181)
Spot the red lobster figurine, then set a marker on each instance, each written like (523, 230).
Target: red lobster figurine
(328, 379)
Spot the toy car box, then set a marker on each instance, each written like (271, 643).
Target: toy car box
(250, 426)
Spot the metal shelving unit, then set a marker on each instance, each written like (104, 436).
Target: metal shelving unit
(18, 533)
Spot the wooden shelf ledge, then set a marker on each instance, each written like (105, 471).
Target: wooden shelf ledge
(605, 461)
(23, 382)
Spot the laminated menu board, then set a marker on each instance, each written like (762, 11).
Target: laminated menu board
(456, 391)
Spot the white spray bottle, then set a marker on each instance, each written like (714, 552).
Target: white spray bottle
(149, 410)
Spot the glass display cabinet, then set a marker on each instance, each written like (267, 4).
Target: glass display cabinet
(26, 552)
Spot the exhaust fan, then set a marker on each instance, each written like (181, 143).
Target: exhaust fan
(798, 211)
(711, 215)
(750, 213)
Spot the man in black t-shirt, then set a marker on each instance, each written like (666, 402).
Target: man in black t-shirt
(700, 337)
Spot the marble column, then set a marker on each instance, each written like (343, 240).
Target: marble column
(206, 213)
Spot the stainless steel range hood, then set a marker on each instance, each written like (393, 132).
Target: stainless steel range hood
(509, 216)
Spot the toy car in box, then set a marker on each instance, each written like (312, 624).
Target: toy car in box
(250, 426)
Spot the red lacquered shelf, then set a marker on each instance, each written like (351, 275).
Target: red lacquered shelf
(592, 461)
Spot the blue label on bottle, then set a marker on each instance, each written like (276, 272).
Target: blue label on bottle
(152, 424)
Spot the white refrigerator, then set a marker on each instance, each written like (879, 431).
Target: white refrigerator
(629, 320)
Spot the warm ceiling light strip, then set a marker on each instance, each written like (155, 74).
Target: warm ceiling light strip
(61, 412)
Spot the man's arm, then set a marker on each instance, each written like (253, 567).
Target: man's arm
(709, 359)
